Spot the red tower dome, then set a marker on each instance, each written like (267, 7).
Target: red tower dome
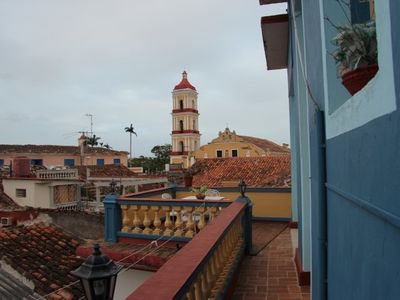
(184, 84)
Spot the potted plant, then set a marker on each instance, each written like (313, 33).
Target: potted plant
(200, 192)
(356, 55)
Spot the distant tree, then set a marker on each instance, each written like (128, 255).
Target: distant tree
(153, 164)
(131, 131)
(107, 146)
(93, 140)
(162, 152)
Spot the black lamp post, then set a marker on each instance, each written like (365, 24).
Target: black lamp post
(242, 187)
(98, 276)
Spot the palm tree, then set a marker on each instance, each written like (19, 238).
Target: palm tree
(131, 131)
(93, 140)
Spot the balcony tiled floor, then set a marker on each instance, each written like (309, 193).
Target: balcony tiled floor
(271, 274)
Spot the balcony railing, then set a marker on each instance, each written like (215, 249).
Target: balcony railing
(205, 268)
(162, 219)
(57, 174)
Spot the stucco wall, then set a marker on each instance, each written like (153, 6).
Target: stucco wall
(243, 149)
(265, 204)
(58, 159)
(11, 185)
(81, 224)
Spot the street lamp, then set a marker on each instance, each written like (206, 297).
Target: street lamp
(98, 276)
(242, 187)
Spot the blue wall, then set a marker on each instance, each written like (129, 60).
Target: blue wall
(364, 211)
(358, 209)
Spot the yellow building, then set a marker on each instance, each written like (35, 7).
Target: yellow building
(229, 144)
(185, 120)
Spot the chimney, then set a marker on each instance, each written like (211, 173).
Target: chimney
(82, 145)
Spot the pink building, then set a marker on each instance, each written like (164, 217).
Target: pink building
(56, 155)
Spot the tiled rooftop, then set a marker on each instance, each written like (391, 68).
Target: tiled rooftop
(265, 144)
(53, 149)
(271, 273)
(44, 254)
(267, 171)
(115, 171)
(6, 203)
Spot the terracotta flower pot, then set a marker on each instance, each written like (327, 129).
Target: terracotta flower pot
(355, 80)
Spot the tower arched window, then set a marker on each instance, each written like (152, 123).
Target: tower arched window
(193, 105)
(181, 125)
(181, 105)
(181, 146)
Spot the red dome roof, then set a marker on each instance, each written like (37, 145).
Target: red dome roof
(184, 84)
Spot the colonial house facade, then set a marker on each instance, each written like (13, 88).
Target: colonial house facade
(57, 155)
(230, 144)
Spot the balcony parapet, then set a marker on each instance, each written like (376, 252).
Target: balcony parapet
(57, 174)
(205, 267)
(158, 219)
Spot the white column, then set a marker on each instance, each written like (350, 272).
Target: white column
(97, 194)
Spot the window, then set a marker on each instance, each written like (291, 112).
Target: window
(20, 193)
(69, 162)
(181, 105)
(100, 162)
(37, 162)
(181, 146)
(219, 153)
(1, 162)
(234, 153)
(117, 161)
(181, 125)
(360, 11)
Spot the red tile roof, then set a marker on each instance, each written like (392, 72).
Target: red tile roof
(184, 84)
(7, 203)
(267, 171)
(109, 171)
(43, 254)
(265, 144)
(51, 149)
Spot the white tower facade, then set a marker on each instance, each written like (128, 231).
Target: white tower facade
(185, 123)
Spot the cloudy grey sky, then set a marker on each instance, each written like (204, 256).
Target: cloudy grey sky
(119, 60)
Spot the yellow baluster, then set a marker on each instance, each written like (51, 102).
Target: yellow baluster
(157, 221)
(197, 290)
(191, 295)
(178, 222)
(125, 218)
(189, 224)
(146, 220)
(136, 220)
(204, 284)
(168, 224)
(213, 211)
(201, 223)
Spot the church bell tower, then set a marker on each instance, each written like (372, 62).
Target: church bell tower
(185, 123)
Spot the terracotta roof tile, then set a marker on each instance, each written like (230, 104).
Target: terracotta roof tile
(74, 150)
(265, 144)
(43, 254)
(116, 171)
(268, 171)
(184, 84)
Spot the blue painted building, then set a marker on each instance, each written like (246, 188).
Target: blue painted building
(345, 149)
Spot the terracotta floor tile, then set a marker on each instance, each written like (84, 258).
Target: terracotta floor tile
(271, 273)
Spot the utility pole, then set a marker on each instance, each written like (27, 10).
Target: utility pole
(91, 123)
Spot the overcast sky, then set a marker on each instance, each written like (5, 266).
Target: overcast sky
(120, 60)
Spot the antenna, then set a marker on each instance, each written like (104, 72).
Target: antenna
(91, 123)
